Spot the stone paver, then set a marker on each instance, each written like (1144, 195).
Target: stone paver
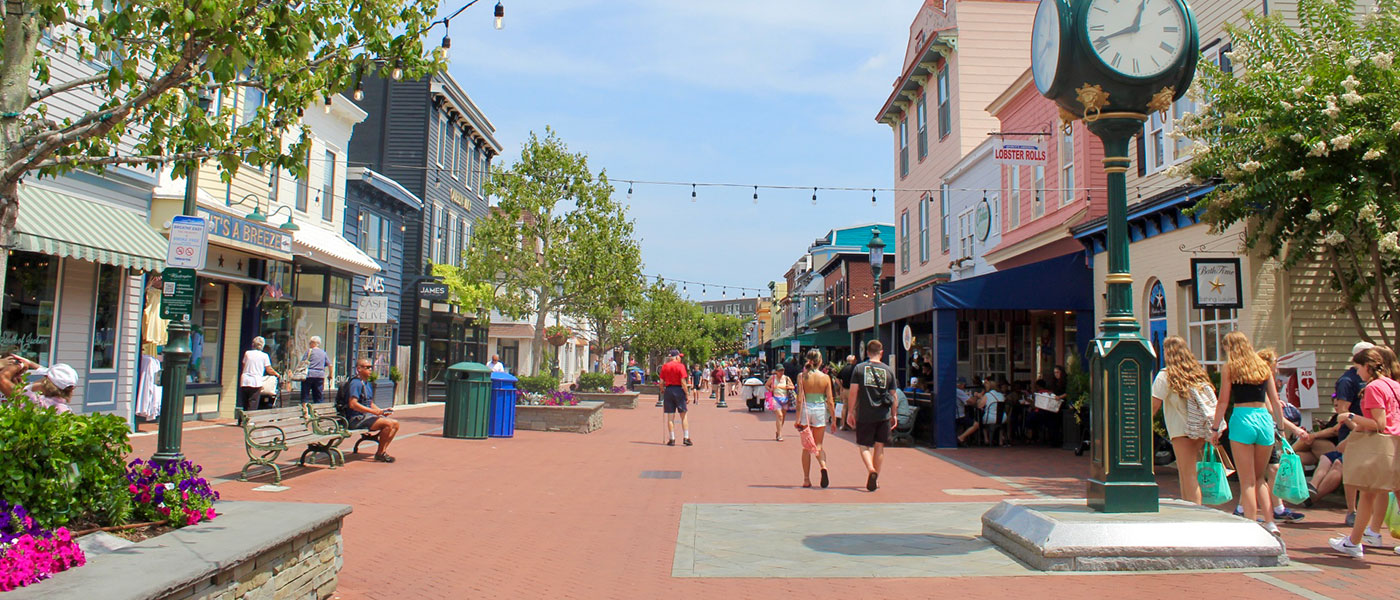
(566, 515)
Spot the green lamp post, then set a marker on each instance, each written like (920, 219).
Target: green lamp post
(877, 265)
(1110, 63)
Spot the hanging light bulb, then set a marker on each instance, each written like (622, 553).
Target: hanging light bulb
(872, 196)
(692, 192)
(359, 93)
(327, 105)
(397, 73)
(629, 190)
(446, 34)
(814, 196)
(500, 15)
(755, 194)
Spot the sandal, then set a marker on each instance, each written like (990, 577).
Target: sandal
(807, 483)
(384, 458)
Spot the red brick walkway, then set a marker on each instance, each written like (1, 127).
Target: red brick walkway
(562, 515)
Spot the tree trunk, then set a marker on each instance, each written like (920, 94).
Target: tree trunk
(541, 314)
(9, 214)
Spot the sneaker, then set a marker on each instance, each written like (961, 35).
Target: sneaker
(1288, 516)
(1343, 545)
(1370, 538)
(688, 442)
(671, 442)
(1239, 511)
(1271, 528)
(1351, 519)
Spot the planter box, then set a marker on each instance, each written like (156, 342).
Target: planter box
(609, 400)
(650, 389)
(584, 417)
(252, 550)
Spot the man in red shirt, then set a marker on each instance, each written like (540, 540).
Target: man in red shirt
(676, 379)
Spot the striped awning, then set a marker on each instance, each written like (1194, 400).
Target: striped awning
(64, 225)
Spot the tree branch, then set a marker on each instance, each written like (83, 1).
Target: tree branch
(1343, 280)
(1384, 283)
(54, 90)
(92, 161)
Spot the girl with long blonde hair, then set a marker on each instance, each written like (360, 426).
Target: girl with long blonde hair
(1182, 382)
(1247, 384)
(815, 405)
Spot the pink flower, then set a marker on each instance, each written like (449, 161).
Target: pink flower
(192, 519)
(165, 510)
(209, 514)
(132, 487)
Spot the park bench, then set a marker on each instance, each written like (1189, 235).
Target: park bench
(323, 413)
(268, 433)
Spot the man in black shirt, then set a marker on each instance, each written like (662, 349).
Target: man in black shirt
(844, 376)
(872, 392)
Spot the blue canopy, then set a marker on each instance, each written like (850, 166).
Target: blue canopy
(1060, 283)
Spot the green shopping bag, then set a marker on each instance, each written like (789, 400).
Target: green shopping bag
(1392, 517)
(1290, 485)
(1210, 472)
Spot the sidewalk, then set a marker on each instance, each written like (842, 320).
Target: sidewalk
(565, 515)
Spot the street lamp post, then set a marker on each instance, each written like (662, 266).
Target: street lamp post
(877, 264)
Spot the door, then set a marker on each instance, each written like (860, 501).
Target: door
(101, 390)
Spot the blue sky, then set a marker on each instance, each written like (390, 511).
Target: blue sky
(771, 92)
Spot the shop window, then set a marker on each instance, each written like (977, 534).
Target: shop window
(311, 288)
(964, 341)
(339, 293)
(279, 281)
(1207, 328)
(106, 316)
(323, 322)
(376, 342)
(991, 348)
(374, 235)
(206, 333)
(1038, 206)
(277, 330)
(31, 286)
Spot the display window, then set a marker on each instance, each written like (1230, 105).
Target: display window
(207, 332)
(31, 293)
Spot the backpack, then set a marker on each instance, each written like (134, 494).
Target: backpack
(1200, 411)
(342, 399)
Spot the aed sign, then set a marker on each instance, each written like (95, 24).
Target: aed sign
(1019, 152)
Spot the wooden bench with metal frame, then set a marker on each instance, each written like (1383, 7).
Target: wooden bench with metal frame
(320, 413)
(268, 433)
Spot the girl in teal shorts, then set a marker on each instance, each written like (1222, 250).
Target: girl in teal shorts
(1247, 384)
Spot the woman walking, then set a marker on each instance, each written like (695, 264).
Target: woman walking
(1247, 383)
(815, 405)
(256, 364)
(1380, 405)
(1174, 391)
(312, 388)
(780, 387)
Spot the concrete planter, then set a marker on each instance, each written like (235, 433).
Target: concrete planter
(609, 400)
(584, 417)
(650, 389)
(252, 550)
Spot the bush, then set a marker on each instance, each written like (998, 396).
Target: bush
(539, 384)
(595, 382)
(63, 466)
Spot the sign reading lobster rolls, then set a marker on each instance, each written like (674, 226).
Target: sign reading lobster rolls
(1019, 152)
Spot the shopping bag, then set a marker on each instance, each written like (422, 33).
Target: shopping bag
(1372, 461)
(1210, 473)
(269, 385)
(1392, 517)
(809, 443)
(1290, 484)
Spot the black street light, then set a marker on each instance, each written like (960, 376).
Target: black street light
(877, 265)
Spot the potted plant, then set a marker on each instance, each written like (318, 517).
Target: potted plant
(557, 334)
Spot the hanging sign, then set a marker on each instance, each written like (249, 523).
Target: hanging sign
(1216, 283)
(242, 230)
(373, 309)
(908, 338)
(432, 290)
(189, 242)
(983, 220)
(1019, 152)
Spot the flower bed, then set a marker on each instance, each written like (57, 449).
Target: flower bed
(579, 417)
(29, 553)
(173, 492)
(554, 398)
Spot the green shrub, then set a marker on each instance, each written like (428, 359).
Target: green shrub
(595, 382)
(63, 466)
(540, 384)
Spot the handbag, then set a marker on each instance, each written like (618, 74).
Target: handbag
(1370, 461)
(809, 442)
(1210, 473)
(269, 385)
(1290, 484)
(299, 373)
(1200, 411)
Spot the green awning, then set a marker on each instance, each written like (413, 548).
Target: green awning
(63, 225)
(825, 339)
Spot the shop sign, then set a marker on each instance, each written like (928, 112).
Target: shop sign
(1019, 152)
(432, 290)
(908, 338)
(374, 284)
(373, 309)
(177, 294)
(247, 232)
(1216, 283)
(189, 242)
(460, 199)
(984, 220)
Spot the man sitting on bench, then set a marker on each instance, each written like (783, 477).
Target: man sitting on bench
(361, 413)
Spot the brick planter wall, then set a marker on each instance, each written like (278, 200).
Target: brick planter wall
(648, 389)
(252, 550)
(623, 400)
(585, 417)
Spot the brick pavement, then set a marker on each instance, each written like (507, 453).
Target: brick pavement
(563, 515)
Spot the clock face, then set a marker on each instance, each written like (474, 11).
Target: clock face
(1137, 38)
(1045, 44)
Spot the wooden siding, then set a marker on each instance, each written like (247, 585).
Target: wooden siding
(233, 353)
(361, 197)
(73, 324)
(129, 343)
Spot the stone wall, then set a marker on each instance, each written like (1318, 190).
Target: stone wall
(305, 567)
(585, 417)
(623, 400)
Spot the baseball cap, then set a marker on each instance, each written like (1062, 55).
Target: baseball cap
(676, 353)
(1361, 346)
(62, 375)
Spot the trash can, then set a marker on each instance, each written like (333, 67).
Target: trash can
(502, 405)
(468, 401)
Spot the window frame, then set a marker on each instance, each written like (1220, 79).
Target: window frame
(1013, 197)
(1038, 201)
(303, 198)
(328, 187)
(1067, 170)
(904, 241)
(967, 239)
(945, 120)
(945, 206)
(904, 147)
(921, 124)
(1196, 325)
(1158, 130)
(923, 228)
(442, 139)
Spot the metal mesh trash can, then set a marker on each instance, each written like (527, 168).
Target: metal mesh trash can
(468, 401)
(502, 405)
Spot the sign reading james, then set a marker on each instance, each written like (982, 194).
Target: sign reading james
(245, 231)
(1019, 152)
(1216, 283)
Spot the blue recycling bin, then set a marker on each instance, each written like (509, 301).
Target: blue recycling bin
(502, 419)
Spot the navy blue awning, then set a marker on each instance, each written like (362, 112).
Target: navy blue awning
(1060, 283)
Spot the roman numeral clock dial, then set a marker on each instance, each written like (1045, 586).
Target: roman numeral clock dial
(1136, 38)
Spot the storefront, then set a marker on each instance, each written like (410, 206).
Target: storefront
(378, 210)
(326, 264)
(72, 289)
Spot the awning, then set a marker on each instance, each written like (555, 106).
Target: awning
(512, 331)
(330, 249)
(1060, 283)
(825, 339)
(225, 277)
(63, 225)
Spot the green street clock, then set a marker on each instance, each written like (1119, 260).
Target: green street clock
(1110, 63)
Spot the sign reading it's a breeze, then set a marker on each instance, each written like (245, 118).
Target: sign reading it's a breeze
(1019, 152)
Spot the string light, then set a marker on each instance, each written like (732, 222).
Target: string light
(872, 196)
(755, 194)
(692, 192)
(814, 196)
(629, 190)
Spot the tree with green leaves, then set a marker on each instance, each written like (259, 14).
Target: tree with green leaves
(556, 242)
(142, 65)
(1303, 135)
(664, 320)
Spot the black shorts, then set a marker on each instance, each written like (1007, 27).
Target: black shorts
(359, 420)
(673, 399)
(874, 432)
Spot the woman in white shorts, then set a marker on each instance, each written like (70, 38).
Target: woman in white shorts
(814, 408)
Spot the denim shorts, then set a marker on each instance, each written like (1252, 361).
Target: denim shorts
(1252, 425)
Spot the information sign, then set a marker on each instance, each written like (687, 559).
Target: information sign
(177, 293)
(189, 242)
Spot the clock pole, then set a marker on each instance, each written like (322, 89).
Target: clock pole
(1121, 477)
